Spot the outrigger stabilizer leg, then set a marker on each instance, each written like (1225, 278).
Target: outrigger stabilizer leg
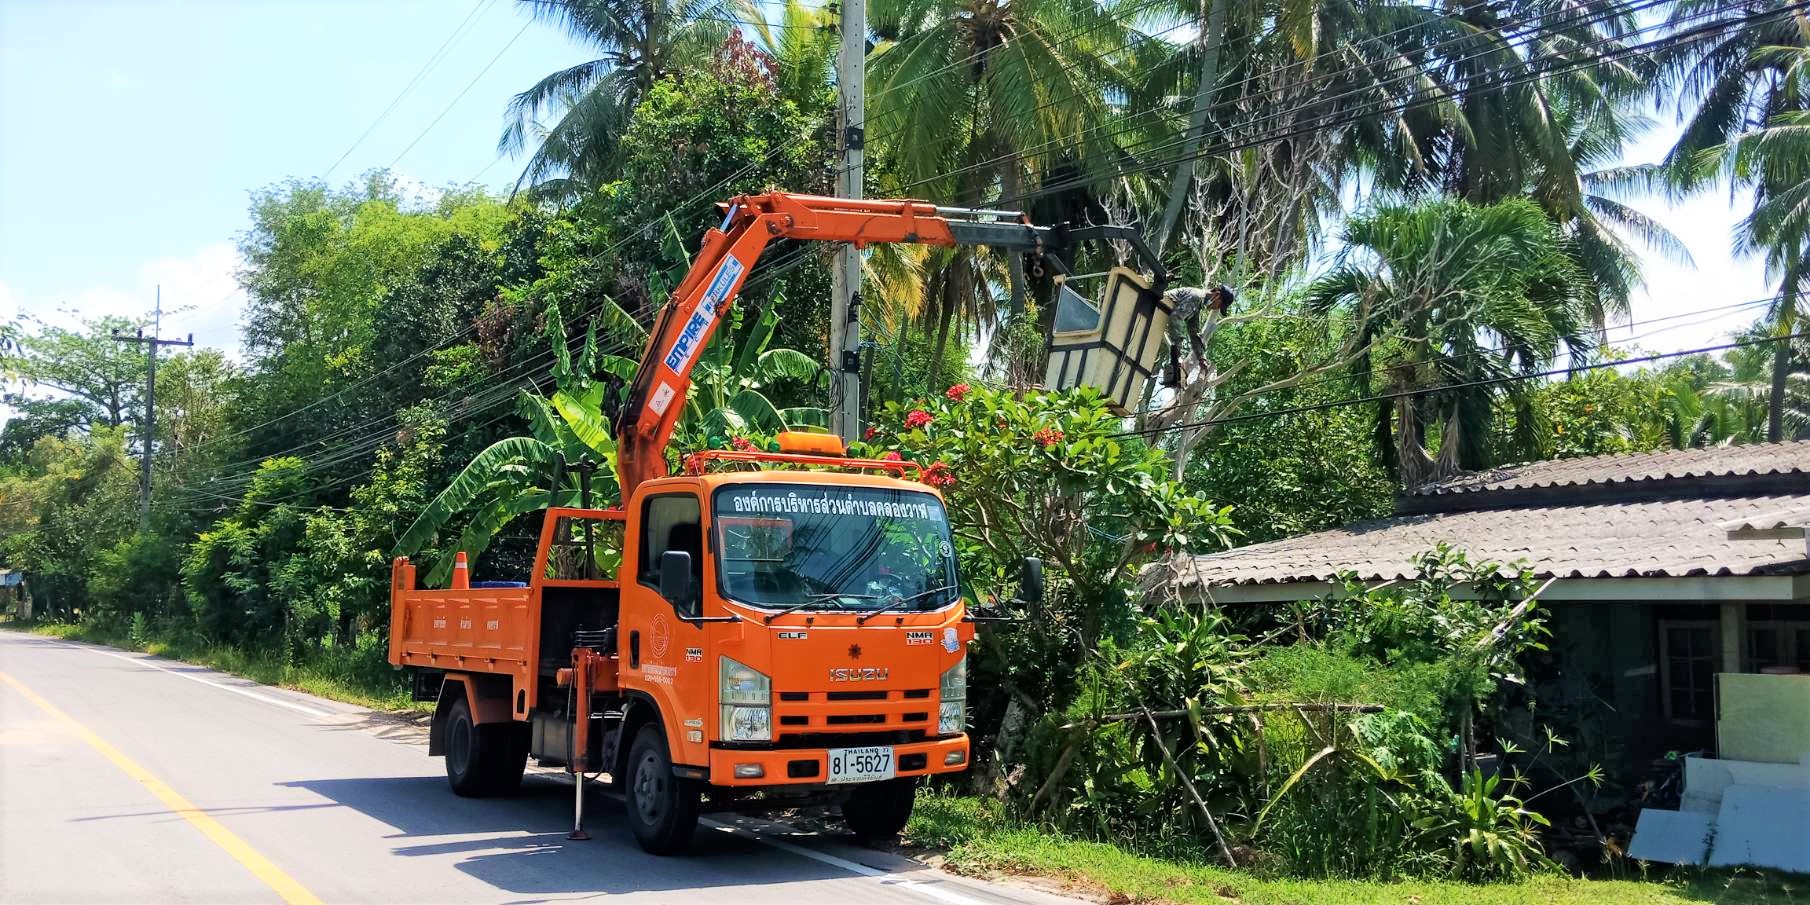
(584, 673)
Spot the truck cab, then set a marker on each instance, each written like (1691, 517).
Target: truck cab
(768, 638)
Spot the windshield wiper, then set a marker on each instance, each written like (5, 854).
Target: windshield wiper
(899, 602)
(813, 600)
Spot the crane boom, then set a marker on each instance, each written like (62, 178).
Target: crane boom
(690, 318)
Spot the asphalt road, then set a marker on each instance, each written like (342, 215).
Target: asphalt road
(126, 778)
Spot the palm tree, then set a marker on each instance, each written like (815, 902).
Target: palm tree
(1450, 293)
(590, 103)
(802, 45)
(1744, 96)
(971, 99)
(1502, 100)
(1775, 161)
(1741, 405)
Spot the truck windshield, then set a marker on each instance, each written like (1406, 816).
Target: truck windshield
(833, 548)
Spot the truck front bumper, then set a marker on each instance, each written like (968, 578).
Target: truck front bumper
(810, 766)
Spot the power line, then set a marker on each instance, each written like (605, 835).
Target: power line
(1488, 381)
(461, 95)
(458, 33)
(1463, 356)
(768, 276)
(1311, 84)
(369, 441)
(1436, 96)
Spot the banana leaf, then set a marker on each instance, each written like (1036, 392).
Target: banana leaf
(471, 483)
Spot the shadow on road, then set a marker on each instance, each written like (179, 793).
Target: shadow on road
(519, 844)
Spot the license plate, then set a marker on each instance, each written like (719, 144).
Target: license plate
(861, 764)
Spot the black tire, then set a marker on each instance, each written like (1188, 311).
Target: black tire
(878, 811)
(483, 761)
(662, 808)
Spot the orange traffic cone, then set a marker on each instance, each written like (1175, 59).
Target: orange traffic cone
(461, 577)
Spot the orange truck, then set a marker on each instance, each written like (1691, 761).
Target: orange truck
(782, 629)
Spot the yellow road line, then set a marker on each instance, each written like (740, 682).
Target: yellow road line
(260, 866)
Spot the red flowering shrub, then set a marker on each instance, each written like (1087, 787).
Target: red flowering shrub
(1048, 437)
(743, 444)
(955, 393)
(918, 418)
(939, 475)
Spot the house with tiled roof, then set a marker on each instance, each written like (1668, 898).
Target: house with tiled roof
(1666, 568)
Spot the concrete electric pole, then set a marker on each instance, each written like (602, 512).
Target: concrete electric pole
(845, 285)
(149, 438)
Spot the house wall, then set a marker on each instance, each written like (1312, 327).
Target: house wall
(1606, 674)
(1601, 686)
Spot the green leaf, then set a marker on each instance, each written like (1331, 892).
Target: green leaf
(472, 482)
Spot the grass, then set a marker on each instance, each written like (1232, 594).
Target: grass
(974, 842)
(337, 676)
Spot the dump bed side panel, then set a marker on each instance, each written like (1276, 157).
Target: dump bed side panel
(476, 629)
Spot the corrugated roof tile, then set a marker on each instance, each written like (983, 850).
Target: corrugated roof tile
(1651, 539)
(1791, 457)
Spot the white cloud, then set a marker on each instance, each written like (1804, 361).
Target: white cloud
(200, 296)
(414, 191)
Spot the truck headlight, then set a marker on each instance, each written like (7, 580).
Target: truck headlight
(952, 712)
(950, 715)
(739, 684)
(747, 724)
(746, 696)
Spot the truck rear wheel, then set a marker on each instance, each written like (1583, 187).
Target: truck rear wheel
(662, 808)
(483, 760)
(878, 811)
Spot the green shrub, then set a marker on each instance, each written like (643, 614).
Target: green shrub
(1312, 671)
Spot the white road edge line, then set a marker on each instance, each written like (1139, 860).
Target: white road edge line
(887, 878)
(144, 662)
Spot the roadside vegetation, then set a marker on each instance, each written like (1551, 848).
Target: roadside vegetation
(964, 835)
(422, 371)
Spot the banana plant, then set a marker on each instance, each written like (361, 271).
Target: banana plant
(569, 434)
(731, 382)
(519, 475)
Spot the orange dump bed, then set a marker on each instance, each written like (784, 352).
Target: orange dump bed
(474, 629)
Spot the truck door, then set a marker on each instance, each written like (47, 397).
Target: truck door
(663, 654)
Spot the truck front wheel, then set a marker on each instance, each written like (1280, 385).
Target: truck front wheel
(662, 808)
(483, 760)
(878, 811)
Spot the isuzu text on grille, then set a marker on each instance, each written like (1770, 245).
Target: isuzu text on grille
(858, 674)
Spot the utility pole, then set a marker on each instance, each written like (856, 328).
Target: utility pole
(1204, 94)
(845, 284)
(149, 437)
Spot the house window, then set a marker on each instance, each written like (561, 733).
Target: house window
(1689, 653)
(1778, 636)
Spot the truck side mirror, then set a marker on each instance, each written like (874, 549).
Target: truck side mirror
(675, 578)
(1030, 586)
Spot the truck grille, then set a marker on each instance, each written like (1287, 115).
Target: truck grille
(873, 714)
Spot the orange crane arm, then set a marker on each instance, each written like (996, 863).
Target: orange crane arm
(692, 315)
(690, 318)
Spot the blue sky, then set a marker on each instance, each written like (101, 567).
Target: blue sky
(132, 132)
